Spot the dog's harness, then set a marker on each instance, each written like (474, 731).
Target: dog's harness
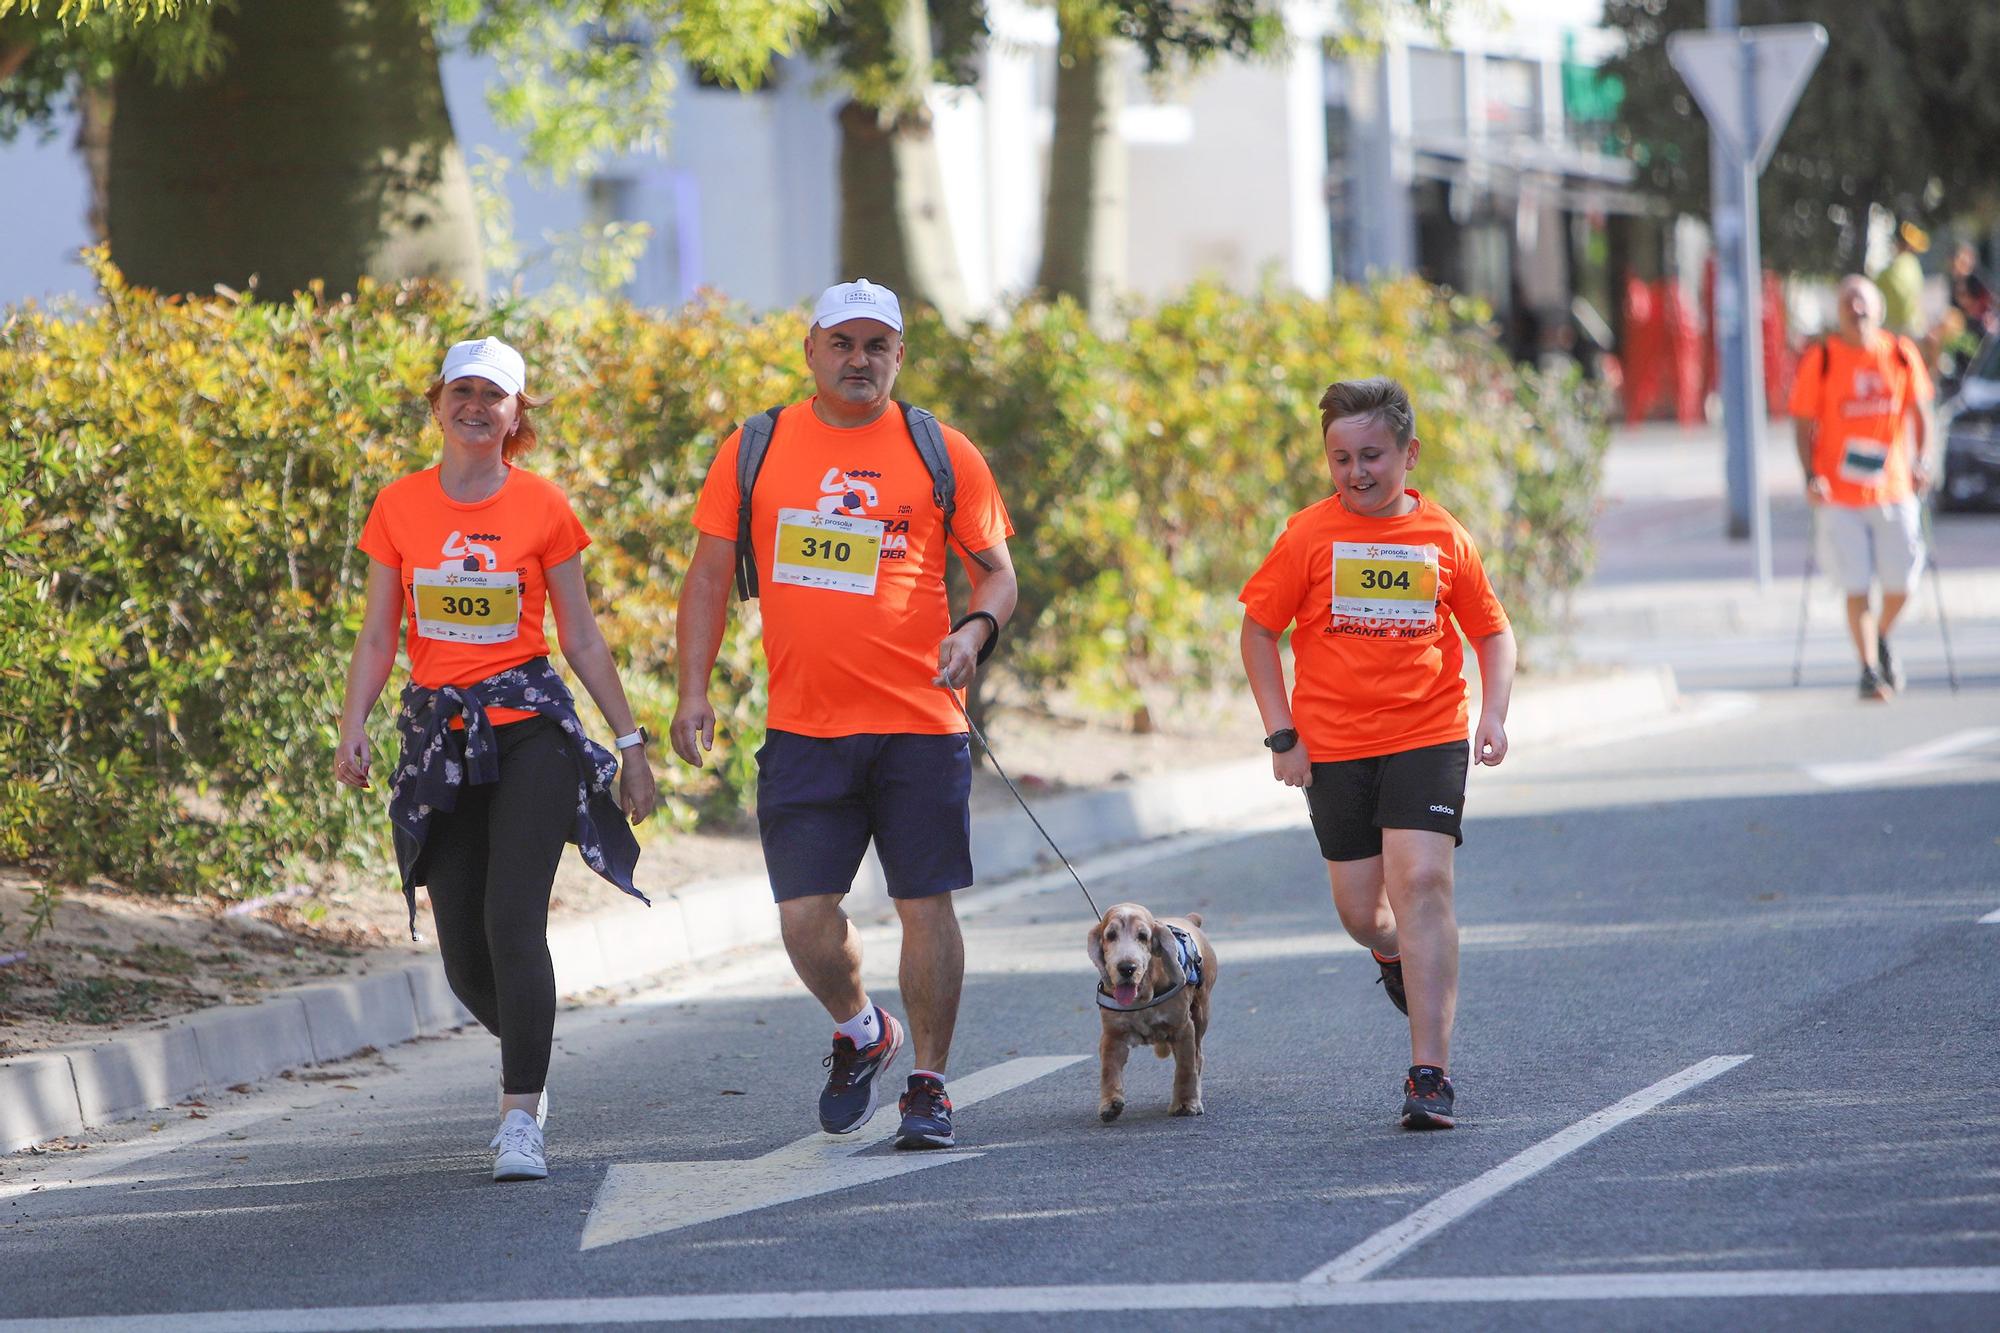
(1190, 965)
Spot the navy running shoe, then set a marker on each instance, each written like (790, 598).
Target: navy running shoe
(926, 1115)
(1892, 671)
(1427, 1098)
(854, 1077)
(1391, 980)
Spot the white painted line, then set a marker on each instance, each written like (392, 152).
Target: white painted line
(1990, 919)
(1942, 755)
(1727, 1285)
(646, 1198)
(1392, 1242)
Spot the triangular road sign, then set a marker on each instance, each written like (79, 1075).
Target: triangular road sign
(1711, 62)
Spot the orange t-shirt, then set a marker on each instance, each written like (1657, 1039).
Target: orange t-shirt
(474, 575)
(1858, 396)
(1377, 668)
(854, 612)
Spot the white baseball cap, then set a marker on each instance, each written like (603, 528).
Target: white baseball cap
(860, 299)
(489, 359)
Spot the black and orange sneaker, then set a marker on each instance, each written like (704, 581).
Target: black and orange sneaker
(854, 1077)
(926, 1115)
(1427, 1098)
(1391, 980)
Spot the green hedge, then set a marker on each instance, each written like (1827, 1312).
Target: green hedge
(184, 481)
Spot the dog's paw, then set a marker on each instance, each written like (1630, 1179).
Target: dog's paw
(1110, 1111)
(1186, 1108)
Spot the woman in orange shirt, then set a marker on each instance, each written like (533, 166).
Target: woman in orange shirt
(495, 773)
(1376, 582)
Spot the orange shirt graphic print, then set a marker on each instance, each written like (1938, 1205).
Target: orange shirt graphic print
(468, 598)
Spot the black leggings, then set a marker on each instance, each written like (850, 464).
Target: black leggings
(490, 865)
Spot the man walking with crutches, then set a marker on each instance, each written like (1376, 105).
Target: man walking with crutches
(1861, 409)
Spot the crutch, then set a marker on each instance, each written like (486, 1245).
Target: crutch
(1805, 589)
(1937, 592)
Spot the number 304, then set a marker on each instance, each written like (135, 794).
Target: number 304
(467, 606)
(1381, 580)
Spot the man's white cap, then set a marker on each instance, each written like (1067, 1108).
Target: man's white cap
(860, 299)
(489, 359)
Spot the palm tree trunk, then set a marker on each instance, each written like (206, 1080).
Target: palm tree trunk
(1083, 218)
(323, 151)
(893, 225)
(94, 107)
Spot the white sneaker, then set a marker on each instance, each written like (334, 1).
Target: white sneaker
(520, 1144)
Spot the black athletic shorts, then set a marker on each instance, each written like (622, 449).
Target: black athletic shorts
(821, 798)
(1353, 800)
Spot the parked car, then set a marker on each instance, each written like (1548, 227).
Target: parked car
(1970, 421)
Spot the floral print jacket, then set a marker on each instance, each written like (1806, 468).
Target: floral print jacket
(438, 759)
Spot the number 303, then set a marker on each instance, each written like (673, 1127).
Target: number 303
(467, 606)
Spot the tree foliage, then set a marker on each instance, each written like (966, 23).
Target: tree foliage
(583, 80)
(1900, 113)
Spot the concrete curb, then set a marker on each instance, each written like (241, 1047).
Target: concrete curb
(62, 1092)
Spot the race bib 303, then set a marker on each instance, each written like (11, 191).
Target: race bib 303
(466, 606)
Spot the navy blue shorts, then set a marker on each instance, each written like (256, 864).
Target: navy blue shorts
(821, 798)
(1353, 800)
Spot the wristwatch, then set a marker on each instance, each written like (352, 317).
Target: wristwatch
(1281, 741)
(630, 739)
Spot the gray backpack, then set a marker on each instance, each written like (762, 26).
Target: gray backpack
(756, 443)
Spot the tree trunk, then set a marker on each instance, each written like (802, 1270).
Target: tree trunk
(94, 107)
(323, 150)
(893, 225)
(1083, 217)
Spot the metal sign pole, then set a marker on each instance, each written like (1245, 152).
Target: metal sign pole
(1725, 192)
(1747, 81)
(1752, 352)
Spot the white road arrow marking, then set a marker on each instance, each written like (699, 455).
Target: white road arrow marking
(645, 1198)
(1939, 756)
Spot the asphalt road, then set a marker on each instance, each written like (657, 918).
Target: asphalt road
(1765, 922)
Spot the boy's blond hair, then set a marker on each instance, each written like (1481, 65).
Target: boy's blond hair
(1380, 399)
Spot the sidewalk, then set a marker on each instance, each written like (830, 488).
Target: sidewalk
(1667, 569)
(59, 1092)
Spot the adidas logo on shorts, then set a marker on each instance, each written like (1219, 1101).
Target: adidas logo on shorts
(1443, 810)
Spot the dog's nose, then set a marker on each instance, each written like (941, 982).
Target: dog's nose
(1126, 969)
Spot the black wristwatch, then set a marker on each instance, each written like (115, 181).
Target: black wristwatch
(1281, 741)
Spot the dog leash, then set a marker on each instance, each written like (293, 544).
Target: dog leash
(987, 746)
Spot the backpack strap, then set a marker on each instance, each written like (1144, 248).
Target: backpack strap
(929, 439)
(750, 451)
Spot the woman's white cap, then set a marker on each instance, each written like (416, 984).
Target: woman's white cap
(489, 359)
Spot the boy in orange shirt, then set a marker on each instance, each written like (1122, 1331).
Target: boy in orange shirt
(1378, 582)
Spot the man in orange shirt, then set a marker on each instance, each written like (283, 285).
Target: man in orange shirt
(1862, 423)
(863, 741)
(1376, 582)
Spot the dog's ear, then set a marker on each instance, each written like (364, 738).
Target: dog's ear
(1169, 951)
(1096, 945)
